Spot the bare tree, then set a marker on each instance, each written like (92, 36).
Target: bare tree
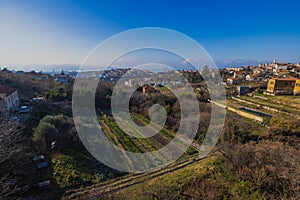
(11, 153)
(272, 167)
(10, 138)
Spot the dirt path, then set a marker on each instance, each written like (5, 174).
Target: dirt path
(116, 185)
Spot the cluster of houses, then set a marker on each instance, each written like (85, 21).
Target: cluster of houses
(281, 78)
(262, 72)
(274, 78)
(113, 75)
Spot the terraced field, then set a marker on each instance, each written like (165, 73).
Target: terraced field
(98, 190)
(122, 140)
(270, 105)
(284, 104)
(135, 144)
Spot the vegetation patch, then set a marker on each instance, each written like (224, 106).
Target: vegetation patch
(72, 168)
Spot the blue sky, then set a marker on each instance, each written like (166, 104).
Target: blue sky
(64, 31)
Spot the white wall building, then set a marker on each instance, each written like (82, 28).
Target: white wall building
(9, 100)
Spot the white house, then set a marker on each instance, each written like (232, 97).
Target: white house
(239, 74)
(233, 81)
(9, 100)
(254, 77)
(258, 71)
(279, 66)
(62, 79)
(129, 82)
(296, 70)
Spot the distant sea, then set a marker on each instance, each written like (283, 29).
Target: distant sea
(55, 69)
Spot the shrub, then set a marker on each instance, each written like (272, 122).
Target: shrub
(271, 167)
(44, 134)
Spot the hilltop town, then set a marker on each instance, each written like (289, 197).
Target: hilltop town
(273, 78)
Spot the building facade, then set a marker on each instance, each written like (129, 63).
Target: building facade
(297, 87)
(278, 86)
(9, 100)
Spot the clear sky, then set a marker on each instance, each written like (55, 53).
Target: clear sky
(232, 31)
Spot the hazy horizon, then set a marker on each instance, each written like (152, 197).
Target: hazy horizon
(75, 67)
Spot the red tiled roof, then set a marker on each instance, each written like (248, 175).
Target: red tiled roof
(258, 69)
(282, 64)
(7, 90)
(297, 69)
(286, 79)
(231, 78)
(255, 75)
(239, 72)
